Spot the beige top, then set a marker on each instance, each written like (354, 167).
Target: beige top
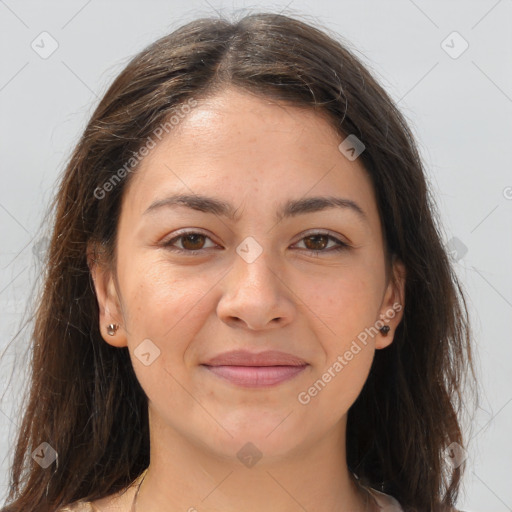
(124, 499)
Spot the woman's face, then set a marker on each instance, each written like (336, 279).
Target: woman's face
(254, 282)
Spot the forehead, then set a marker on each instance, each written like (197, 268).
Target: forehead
(237, 146)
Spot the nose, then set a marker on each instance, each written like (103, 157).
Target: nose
(255, 295)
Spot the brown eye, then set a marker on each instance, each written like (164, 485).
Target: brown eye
(194, 243)
(316, 242)
(191, 242)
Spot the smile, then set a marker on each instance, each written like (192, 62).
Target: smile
(256, 376)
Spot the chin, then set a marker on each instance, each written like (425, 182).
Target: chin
(261, 439)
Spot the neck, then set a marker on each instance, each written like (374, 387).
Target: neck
(187, 476)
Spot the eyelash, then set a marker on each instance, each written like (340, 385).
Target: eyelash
(168, 244)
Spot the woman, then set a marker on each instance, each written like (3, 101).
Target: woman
(248, 305)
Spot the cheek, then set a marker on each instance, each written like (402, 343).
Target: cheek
(347, 307)
(346, 302)
(168, 308)
(335, 386)
(159, 297)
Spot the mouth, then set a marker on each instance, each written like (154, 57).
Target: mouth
(256, 370)
(256, 376)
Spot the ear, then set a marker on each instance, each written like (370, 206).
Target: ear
(110, 311)
(392, 308)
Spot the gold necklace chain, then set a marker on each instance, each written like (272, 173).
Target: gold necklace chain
(143, 475)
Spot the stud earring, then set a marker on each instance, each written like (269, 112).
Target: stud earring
(111, 329)
(384, 330)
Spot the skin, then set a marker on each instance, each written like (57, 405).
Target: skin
(256, 154)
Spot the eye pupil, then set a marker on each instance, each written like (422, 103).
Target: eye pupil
(315, 239)
(193, 236)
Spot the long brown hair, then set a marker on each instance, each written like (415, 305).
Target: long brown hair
(85, 400)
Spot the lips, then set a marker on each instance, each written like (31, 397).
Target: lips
(253, 370)
(245, 358)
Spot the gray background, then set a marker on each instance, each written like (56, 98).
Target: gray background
(459, 108)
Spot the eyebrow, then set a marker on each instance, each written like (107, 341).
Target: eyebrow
(291, 208)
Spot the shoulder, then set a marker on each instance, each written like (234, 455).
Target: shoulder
(386, 502)
(389, 504)
(115, 502)
(78, 506)
(109, 504)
